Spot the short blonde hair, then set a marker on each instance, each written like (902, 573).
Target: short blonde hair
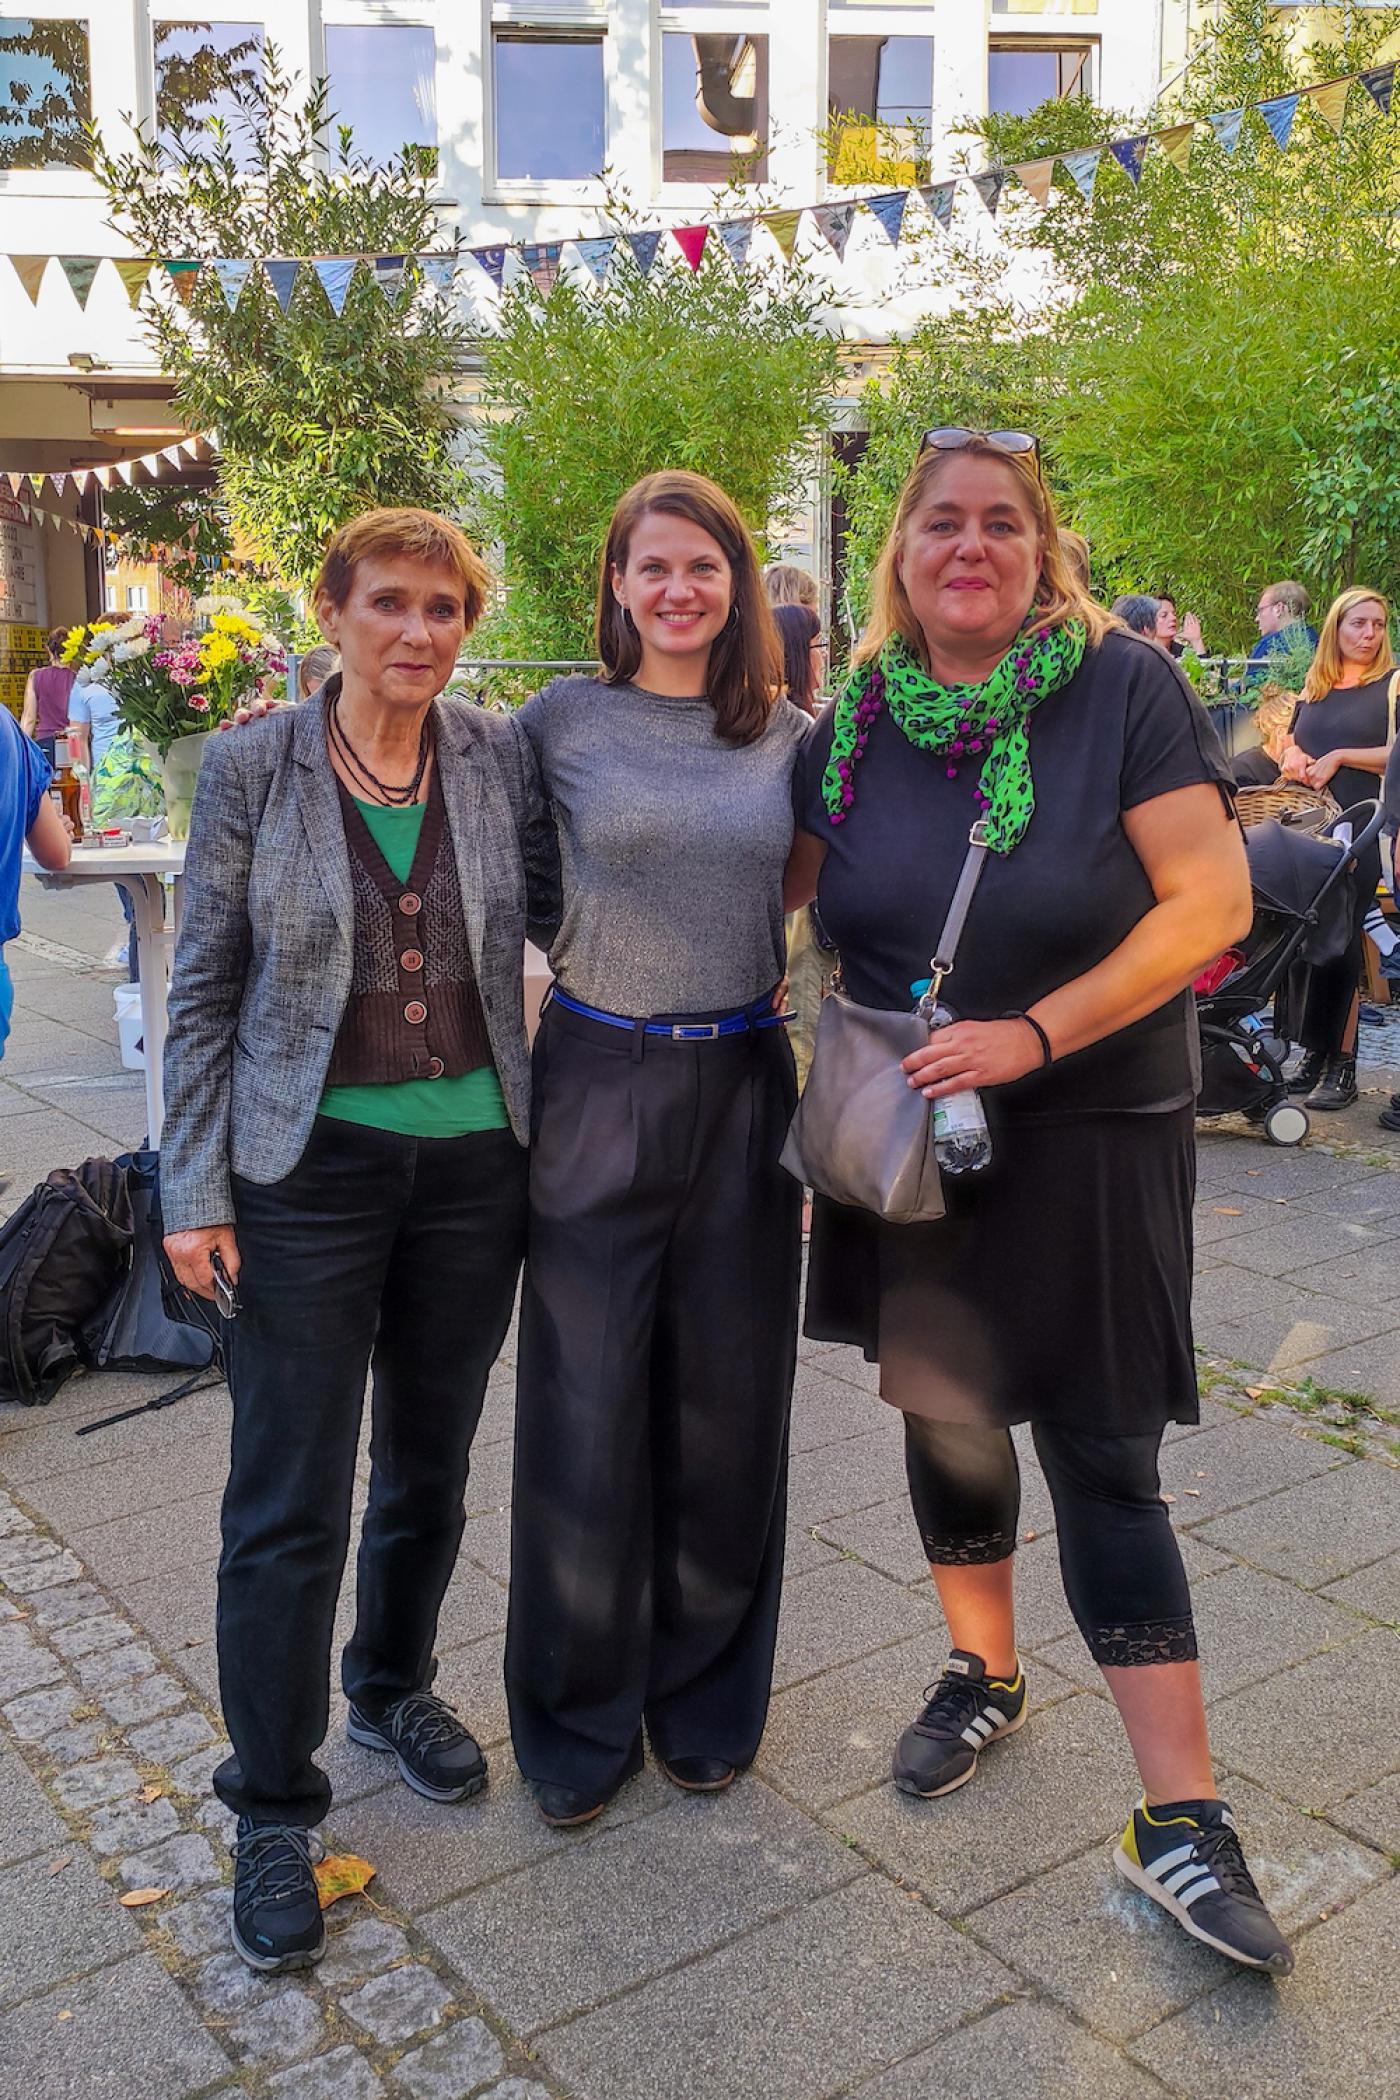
(1326, 667)
(786, 584)
(1060, 597)
(421, 536)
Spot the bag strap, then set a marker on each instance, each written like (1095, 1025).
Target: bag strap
(945, 955)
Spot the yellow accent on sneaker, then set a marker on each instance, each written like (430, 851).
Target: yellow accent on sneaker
(1129, 1842)
(1004, 1684)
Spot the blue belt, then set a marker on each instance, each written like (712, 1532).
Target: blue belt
(759, 1015)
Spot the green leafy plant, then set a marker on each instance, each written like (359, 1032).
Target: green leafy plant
(185, 527)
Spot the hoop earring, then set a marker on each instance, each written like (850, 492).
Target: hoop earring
(731, 625)
(628, 622)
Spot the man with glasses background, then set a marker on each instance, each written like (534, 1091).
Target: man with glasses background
(1283, 628)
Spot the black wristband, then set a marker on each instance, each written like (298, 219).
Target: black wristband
(1047, 1055)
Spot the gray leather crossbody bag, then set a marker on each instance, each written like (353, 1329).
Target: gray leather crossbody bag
(861, 1133)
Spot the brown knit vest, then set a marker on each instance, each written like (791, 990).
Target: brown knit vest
(414, 1010)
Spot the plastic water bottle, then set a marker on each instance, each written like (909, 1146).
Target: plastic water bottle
(962, 1143)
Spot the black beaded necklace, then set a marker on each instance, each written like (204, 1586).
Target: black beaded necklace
(395, 797)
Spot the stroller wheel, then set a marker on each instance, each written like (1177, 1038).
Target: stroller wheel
(1286, 1123)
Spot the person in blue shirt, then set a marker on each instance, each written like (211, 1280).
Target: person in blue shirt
(1283, 628)
(27, 816)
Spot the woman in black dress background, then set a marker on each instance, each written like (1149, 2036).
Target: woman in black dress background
(1057, 1288)
(1339, 736)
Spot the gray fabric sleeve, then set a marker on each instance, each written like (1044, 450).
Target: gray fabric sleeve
(539, 846)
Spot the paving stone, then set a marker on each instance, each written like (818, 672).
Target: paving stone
(142, 1700)
(1372, 1200)
(67, 1604)
(398, 2004)
(1064, 1783)
(195, 1774)
(227, 1988)
(879, 1976)
(1333, 2028)
(133, 1549)
(1098, 1945)
(847, 1476)
(99, 1673)
(453, 2063)
(827, 1410)
(475, 1605)
(221, 1823)
(1363, 1275)
(125, 2030)
(72, 1746)
(840, 1611)
(172, 1737)
(40, 1713)
(1370, 1367)
(1278, 1324)
(27, 1823)
(342, 2074)
(1321, 1731)
(486, 1543)
(200, 1924)
(837, 1361)
(43, 1572)
(179, 1863)
(359, 1950)
(130, 1826)
(1316, 1533)
(90, 1636)
(57, 1925)
(24, 1663)
(281, 2031)
(1226, 1468)
(1017, 2052)
(804, 1550)
(1306, 1241)
(1226, 1216)
(175, 1615)
(106, 1779)
(471, 1679)
(533, 1944)
(124, 1485)
(1260, 1172)
(518, 2089)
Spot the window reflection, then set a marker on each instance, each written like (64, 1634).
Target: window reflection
(202, 70)
(381, 85)
(1020, 79)
(714, 107)
(549, 107)
(45, 93)
(880, 97)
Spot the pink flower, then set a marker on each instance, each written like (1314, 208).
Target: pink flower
(200, 703)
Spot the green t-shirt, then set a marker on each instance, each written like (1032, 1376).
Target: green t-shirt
(448, 1107)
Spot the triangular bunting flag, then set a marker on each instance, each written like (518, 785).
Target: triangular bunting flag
(783, 226)
(30, 271)
(174, 453)
(989, 186)
(58, 481)
(834, 224)
(888, 212)
(691, 242)
(1227, 124)
(133, 276)
(1176, 142)
(80, 271)
(388, 275)
(1278, 113)
(232, 277)
(1036, 176)
(83, 477)
(1379, 84)
(1330, 102)
(596, 254)
(104, 476)
(184, 276)
(492, 261)
(938, 196)
(439, 271)
(36, 482)
(37, 516)
(736, 235)
(1083, 168)
(541, 259)
(644, 247)
(334, 278)
(282, 276)
(1130, 155)
(16, 482)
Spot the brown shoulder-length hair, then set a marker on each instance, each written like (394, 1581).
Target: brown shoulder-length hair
(1059, 597)
(1328, 662)
(745, 671)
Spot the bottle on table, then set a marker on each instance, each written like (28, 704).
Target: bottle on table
(65, 788)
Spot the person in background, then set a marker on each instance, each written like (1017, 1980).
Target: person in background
(1137, 612)
(804, 654)
(44, 714)
(28, 817)
(1339, 739)
(1282, 619)
(811, 963)
(315, 668)
(786, 584)
(93, 727)
(1177, 635)
(1077, 553)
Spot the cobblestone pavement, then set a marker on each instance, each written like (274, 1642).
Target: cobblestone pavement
(812, 1934)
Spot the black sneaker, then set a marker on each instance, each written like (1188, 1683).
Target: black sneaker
(1337, 1087)
(276, 1905)
(436, 1755)
(1187, 1857)
(1309, 1073)
(966, 1710)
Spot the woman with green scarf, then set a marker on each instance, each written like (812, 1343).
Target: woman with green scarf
(1056, 1290)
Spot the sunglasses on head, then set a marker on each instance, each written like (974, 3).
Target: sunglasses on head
(1018, 443)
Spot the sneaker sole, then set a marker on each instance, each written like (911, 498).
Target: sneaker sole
(1275, 1965)
(276, 1964)
(370, 1739)
(936, 1793)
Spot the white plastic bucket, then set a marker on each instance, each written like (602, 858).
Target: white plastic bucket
(127, 1000)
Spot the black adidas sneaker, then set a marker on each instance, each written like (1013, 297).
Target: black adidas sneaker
(966, 1710)
(1187, 1857)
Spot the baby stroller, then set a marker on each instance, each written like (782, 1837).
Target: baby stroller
(1302, 888)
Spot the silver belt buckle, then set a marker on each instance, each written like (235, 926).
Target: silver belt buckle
(695, 1032)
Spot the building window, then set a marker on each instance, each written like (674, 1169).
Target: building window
(1053, 7)
(714, 122)
(45, 93)
(549, 107)
(138, 597)
(1021, 76)
(381, 86)
(880, 98)
(203, 69)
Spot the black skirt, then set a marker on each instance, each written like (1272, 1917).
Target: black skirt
(1057, 1288)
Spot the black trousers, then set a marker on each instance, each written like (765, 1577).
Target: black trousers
(378, 1252)
(658, 1342)
(1119, 1557)
(1329, 989)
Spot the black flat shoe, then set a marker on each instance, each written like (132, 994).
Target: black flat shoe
(563, 1806)
(699, 1775)
(1389, 1118)
(1309, 1073)
(1338, 1088)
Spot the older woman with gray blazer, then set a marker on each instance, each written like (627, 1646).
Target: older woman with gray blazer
(343, 1164)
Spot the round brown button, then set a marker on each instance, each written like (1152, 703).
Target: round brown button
(415, 1012)
(410, 905)
(411, 960)
(436, 1068)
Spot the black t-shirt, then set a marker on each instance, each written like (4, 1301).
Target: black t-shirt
(1349, 718)
(1125, 729)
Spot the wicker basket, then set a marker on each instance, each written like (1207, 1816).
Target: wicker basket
(1290, 802)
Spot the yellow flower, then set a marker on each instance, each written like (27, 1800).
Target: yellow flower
(73, 646)
(215, 651)
(234, 624)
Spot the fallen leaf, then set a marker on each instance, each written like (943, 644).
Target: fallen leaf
(1028, 1536)
(342, 1874)
(1254, 1392)
(1254, 1172)
(1194, 1491)
(137, 1899)
(150, 1793)
(58, 1865)
(1168, 1498)
(66, 2015)
(1223, 1211)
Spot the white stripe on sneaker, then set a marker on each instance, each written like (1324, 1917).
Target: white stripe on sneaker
(1186, 1897)
(1160, 1868)
(972, 1737)
(1176, 1882)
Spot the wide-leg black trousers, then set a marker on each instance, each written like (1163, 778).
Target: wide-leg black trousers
(657, 1350)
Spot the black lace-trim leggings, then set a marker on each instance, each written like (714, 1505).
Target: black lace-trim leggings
(1118, 1554)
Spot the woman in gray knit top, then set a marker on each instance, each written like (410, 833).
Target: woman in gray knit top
(658, 1329)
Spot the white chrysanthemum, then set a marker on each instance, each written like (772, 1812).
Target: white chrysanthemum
(130, 629)
(126, 651)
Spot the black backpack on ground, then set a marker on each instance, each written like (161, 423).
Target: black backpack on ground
(147, 1320)
(62, 1255)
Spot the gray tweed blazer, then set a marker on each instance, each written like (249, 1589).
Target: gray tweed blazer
(263, 964)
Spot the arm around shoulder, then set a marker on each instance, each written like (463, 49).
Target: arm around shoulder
(539, 845)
